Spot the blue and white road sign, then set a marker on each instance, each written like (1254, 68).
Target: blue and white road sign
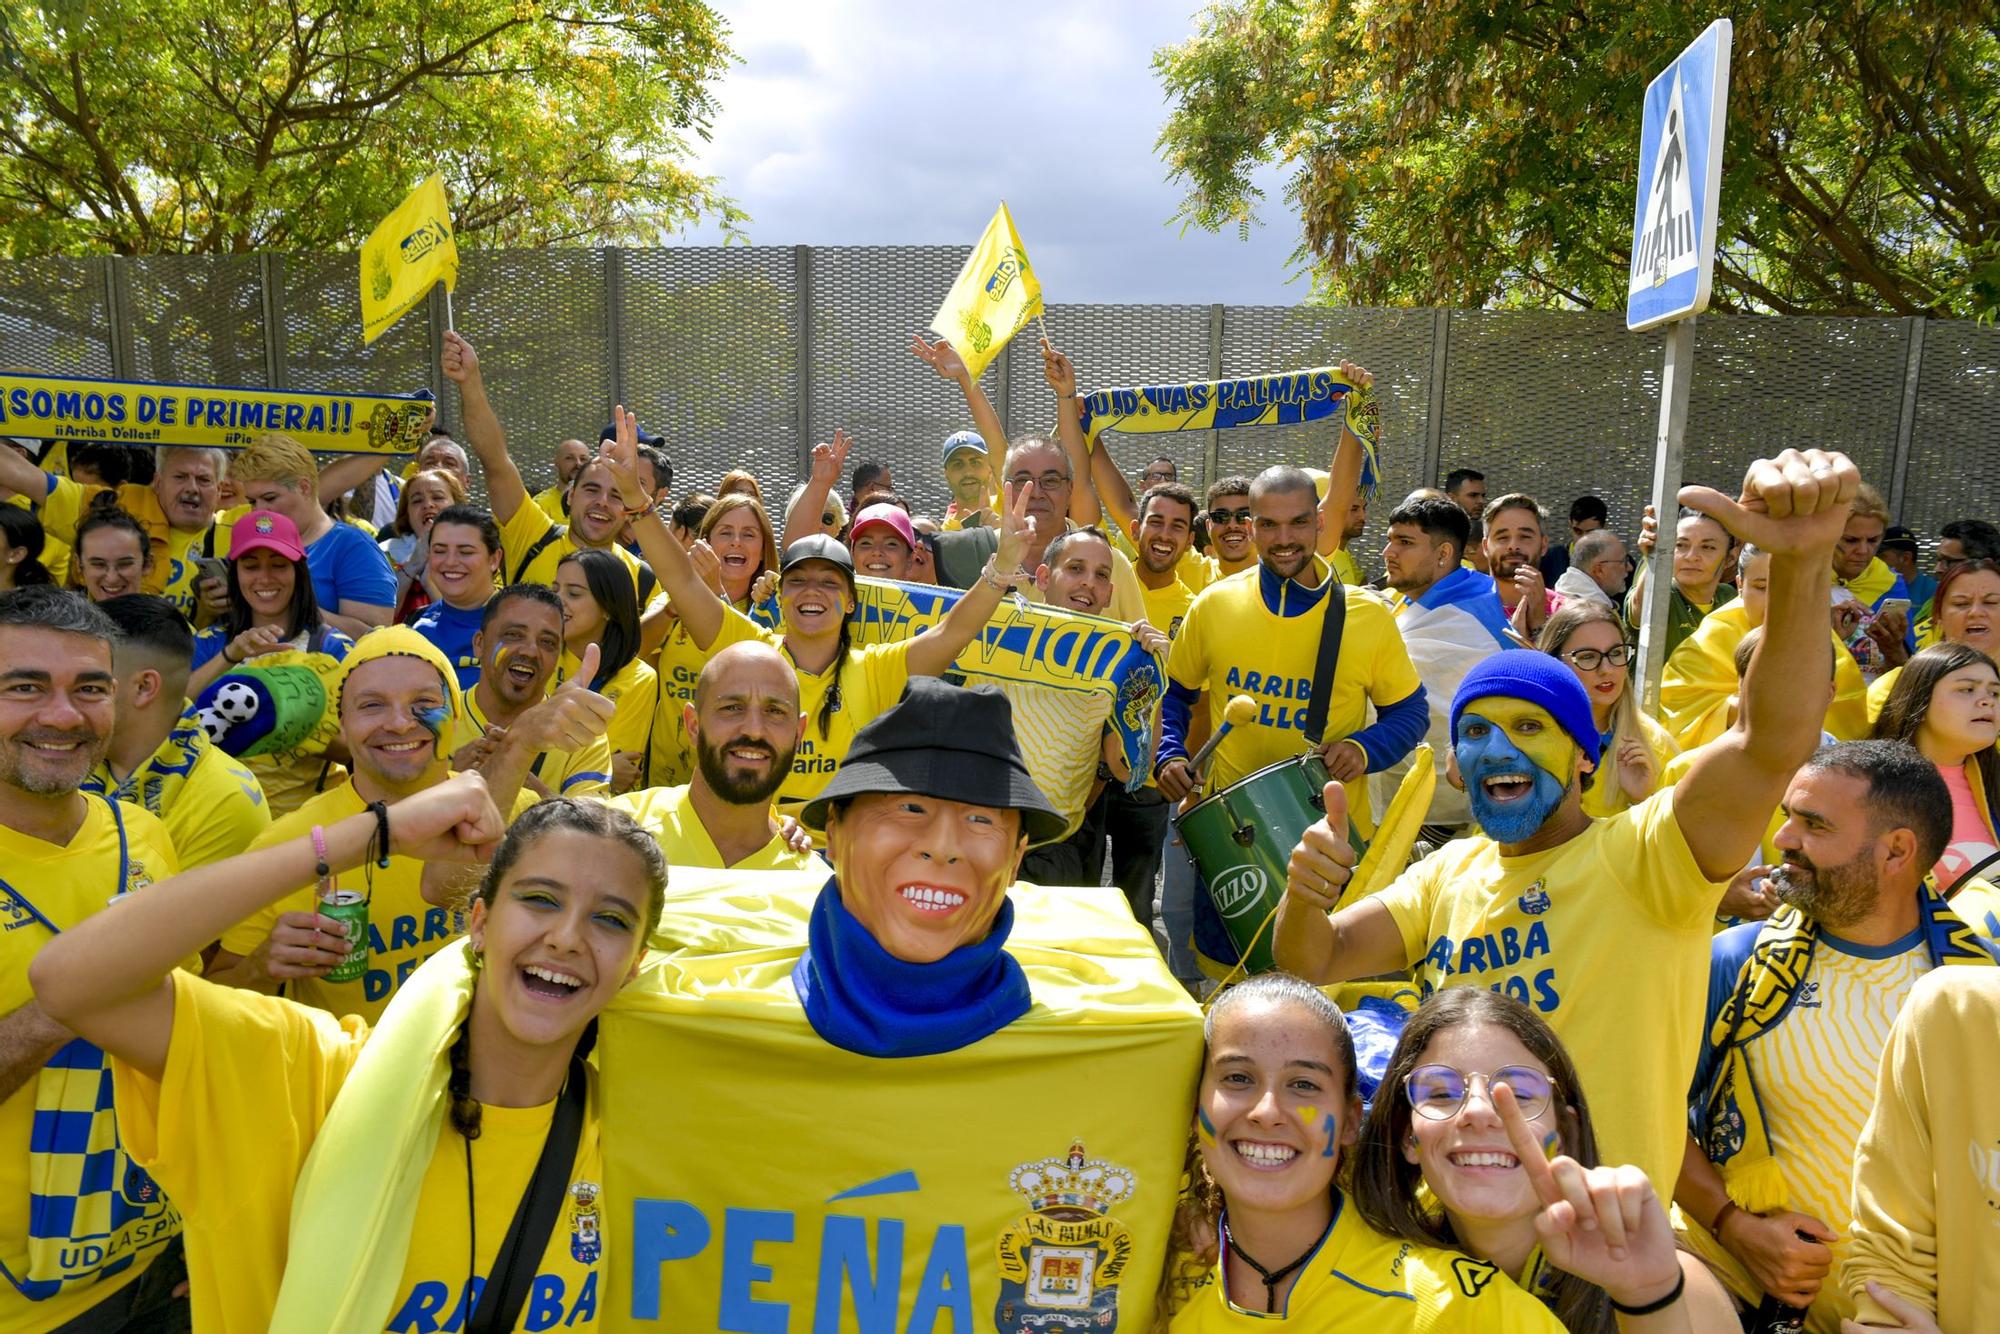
(1680, 174)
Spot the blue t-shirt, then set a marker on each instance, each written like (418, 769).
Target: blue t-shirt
(451, 630)
(325, 640)
(346, 563)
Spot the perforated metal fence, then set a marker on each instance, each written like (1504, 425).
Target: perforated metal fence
(745, 356)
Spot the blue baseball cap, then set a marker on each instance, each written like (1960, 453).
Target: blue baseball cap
(958, 440)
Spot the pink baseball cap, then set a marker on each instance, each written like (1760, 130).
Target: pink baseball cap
(267, 529)
(892, 515)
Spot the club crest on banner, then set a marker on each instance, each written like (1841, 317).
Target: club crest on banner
(1061, 1263)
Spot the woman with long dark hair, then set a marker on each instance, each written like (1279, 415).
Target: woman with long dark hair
(1437, 1165)
(1265, 1229)
(272, 1127)
(601, 608)
(1946, 703)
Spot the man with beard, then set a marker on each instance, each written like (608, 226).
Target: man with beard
(535, 543)
(1799, 1013)
(1515, 542)
(66, 856)
(176, 509)
(519, 646)
(1257, 634)
(744, 721)
(1603, 926)
(1451, 620)
(968, 471)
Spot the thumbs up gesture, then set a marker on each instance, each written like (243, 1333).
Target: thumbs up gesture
(1323, 862)
(1793, 504)
(571, 718)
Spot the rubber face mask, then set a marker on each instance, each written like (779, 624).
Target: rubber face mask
(1517, 764)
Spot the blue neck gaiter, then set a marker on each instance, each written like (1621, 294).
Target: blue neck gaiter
(863, 999)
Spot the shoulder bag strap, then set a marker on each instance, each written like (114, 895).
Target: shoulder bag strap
(1331, 627)
(540, 545)
(520, 1255)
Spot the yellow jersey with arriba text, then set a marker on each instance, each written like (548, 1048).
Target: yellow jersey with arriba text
(228, 1128)
(1606, 936)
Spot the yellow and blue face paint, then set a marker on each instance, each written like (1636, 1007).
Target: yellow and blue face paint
(1498, 736)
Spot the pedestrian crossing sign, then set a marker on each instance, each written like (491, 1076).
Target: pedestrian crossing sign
(1680, 174)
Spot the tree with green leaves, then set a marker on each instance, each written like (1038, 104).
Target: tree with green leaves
(185, 126)
(1441, 152)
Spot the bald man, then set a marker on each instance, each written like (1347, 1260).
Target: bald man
(744, 721)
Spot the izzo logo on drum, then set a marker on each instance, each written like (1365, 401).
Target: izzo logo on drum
(1239, 890)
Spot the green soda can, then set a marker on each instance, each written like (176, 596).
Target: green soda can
(350, 908)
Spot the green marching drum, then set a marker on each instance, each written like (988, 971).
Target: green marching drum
(1240, 840)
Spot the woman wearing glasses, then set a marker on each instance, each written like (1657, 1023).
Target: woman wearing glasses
(1588, 637)
(1480, 1140)
(1265, 1229)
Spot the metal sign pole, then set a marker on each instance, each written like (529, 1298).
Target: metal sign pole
(1675, 379)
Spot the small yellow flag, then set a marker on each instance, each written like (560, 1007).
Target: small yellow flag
(408, 251)
(995, 294)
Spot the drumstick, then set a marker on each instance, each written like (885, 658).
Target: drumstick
(1240, 711)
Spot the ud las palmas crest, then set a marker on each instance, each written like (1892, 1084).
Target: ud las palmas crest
(1061, 1263)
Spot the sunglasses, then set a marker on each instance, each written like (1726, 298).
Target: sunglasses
(1437, 1092)
(1229, 516)
(1590, 659)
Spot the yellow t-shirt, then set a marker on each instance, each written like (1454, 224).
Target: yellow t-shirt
(669, 816)
(1815, 1079)
(1348, 568)
(872, 679)
(65, 883)
(520, 534)
(211, 805)
(248, 1084)
(403, 929)
(1359, 1279)
(1231, 643)
(1167, 608)
(634, 692)
(567, 773)
(550, 499)
(1607, 937)
(174, 572)
(670, 757)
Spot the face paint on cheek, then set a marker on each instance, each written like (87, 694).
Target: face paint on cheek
(433, 719)
(1204, 1126)
(1551, 1144)
(1542, 741)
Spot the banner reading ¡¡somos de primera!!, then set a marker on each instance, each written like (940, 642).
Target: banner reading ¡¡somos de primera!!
(131, 412)
(1029, 643)
(1283, 399)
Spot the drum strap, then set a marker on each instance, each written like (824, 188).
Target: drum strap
(1330, 631)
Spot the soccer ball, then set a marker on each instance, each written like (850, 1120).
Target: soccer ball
(235, 702)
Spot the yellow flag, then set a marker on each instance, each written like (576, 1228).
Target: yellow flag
(406, 253)
(995, 294)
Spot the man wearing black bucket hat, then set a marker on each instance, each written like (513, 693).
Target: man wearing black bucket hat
(926, 824)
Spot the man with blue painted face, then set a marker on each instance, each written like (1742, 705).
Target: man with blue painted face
(1602, 925)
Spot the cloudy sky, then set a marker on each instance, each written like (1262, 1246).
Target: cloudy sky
(855, 122)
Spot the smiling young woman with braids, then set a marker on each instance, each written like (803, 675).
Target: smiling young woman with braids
(276, 1129)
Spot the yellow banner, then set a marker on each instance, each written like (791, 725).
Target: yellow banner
(1024, 1184)
(994, 295)
(132, 412)
(408, 252)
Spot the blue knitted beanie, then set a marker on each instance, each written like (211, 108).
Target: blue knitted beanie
(1539, 678)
